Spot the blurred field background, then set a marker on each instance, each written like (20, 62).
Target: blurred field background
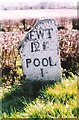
(12, 31)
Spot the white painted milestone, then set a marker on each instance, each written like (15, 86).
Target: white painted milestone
(39, 52)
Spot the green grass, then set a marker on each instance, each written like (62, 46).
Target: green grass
(55, 101)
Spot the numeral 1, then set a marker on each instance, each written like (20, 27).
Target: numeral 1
(42, 73)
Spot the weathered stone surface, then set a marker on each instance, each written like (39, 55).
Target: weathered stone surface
(40, 52)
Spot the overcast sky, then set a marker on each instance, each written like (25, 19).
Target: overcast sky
(74, 2)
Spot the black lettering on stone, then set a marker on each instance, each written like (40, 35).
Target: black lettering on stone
(40, 33)
(32, 47)
(44, 46)
(42, 73)
(44, 62)
(36, 62)
(28, 61)
(32, 35)
(50, 62)
(21, 51)
(35, 46)
(49, 32)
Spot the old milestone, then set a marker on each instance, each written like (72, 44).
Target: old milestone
(39, 52)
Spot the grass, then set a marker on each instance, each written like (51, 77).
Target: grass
(54, 101)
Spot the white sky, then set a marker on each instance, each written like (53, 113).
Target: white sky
(74, 2)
